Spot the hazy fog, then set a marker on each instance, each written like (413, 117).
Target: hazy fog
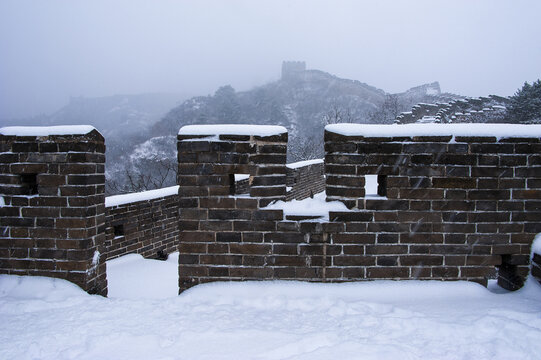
(51, 50)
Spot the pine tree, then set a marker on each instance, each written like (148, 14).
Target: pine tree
(525, 105)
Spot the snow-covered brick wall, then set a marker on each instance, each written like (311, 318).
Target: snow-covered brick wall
(208, 164)
(52, 183)
(460, 200)
(491, 109)
(305, 179)
(144, 223)
(452, 204)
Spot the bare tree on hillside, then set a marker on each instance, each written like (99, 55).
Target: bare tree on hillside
(387, 111)
(151, 173)
(338, 115)
(306, 148)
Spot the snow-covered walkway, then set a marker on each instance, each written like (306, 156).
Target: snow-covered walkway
(52, 319)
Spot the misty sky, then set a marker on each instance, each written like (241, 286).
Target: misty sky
(53, 49)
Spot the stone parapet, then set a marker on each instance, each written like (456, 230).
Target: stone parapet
(147, 227)
(470, 201)
(52, 219)
(456, 206)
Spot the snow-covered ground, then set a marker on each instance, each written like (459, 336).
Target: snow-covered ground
(52, 319)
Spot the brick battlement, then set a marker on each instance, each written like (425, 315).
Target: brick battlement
(448, 206)
(452, 203)
(464, 200)
(144, 223)
(53, 219)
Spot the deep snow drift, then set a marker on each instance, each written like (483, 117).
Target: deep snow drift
(52, 319)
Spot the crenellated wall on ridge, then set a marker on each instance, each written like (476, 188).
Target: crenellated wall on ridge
(451, 202)
(458, 201)
(52, 213)
(144, 223)
(449, 206)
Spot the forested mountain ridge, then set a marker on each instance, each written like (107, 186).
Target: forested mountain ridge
(303, 101)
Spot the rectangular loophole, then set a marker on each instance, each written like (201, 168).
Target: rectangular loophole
(29, 183)
(375, 185)
(118, 230)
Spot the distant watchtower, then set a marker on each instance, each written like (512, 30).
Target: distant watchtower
(291, 69)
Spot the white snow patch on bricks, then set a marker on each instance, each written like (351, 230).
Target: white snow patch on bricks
(316, 206)
(117, 200)
(300, 164)
(232, 129)
(47, 130)
(240, 177)
(497, 130)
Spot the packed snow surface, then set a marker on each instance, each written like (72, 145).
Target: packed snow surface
(46, 130)
(116, 200)
(232, 129)
(300, 164)
(316, 206)
(497, 130)
(44, 318)
(133, 277)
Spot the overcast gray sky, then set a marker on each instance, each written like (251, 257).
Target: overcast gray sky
(51, 50)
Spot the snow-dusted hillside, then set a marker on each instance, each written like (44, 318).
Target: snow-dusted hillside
(303, 102)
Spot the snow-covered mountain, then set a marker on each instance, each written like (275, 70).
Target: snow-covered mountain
(115, 115)
(139, 129)
(303, 101)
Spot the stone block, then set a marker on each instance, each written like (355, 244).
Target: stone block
(387, 272)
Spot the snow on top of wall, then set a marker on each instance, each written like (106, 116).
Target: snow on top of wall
(300, 164)
(46, 130)
(497, 130)
(232, 129)
(117, 200)
(316, 206)
(240, 177)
